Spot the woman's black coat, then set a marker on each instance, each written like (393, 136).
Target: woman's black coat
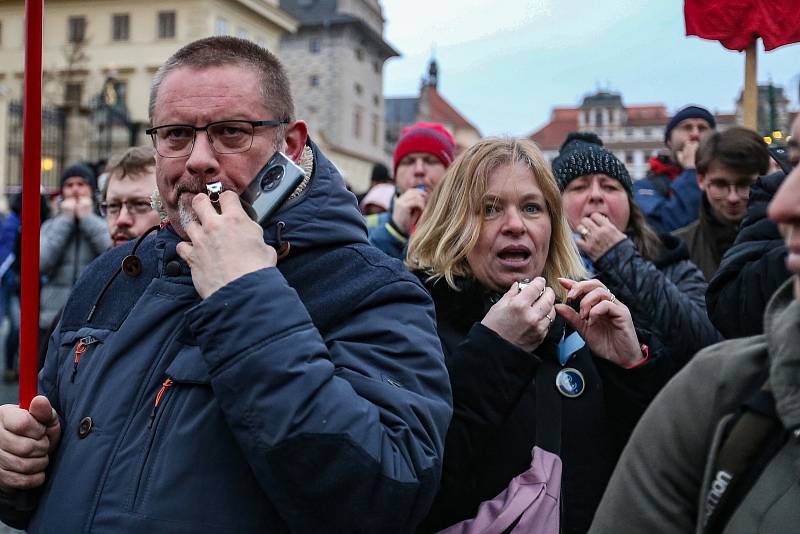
(494, 421)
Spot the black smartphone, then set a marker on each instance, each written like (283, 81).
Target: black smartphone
(272, 186)
(781, 156)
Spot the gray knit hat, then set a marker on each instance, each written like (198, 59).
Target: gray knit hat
(583, 154)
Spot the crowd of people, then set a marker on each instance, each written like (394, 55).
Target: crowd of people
(397, 362)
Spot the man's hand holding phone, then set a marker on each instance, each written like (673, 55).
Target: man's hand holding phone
(224, 246)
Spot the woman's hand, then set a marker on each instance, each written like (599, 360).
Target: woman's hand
(598, 235)
(603, 322)
(523, 316)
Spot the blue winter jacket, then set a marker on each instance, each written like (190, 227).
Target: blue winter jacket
(667, 205)
(384, 235)
(311, 397)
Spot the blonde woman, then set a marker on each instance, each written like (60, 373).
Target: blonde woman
(496, 253)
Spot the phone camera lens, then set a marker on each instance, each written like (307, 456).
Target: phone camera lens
(272, 178)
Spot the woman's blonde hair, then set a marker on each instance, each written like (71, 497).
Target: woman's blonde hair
(451, 224)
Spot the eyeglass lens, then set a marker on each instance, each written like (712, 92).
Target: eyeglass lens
(225, 137)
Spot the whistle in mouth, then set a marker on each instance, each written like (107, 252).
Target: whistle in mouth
(214, 189)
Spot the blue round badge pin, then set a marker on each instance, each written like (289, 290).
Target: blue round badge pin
(570, 382)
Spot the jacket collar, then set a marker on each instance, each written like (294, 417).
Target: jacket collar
(782, 332)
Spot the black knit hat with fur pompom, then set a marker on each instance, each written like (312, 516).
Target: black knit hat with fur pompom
(583, 154)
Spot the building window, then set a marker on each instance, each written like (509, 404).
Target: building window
(221, 26)
(375, 129)
(376, 100)
(120, 25)
(648, 132)
(628, 158)
(242, 33)
(314, 45)
(357, 123)
(73, 94)
(598, 118)
(313, 80)
(360, 54)
(77, 29)
(166, 24)
(376, 66)
(359, 89)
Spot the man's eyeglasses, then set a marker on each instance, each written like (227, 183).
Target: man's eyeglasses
(226, 137)
(722, 189)
(136, 206)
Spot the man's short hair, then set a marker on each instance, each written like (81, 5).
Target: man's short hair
(223, 50)
(135, 160)
(736, 148)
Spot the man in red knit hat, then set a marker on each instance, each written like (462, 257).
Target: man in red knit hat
(423, 154)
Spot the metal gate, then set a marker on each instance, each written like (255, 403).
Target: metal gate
(53, 146)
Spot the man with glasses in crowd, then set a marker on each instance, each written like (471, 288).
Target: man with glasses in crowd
(728, 163)
(127, 198)
(230, 376)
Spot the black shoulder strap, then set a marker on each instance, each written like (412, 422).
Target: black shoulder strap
(755, 436)
(548, 407)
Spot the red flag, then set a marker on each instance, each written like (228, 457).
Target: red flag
(737, 23)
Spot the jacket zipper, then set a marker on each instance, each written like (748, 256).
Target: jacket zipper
(166, 385)
(82, 346)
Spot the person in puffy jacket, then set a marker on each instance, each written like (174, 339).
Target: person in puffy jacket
(669, 196)
(652, 274)
(755, 266)
(213, 386)
(494, 222)
(670, 479)
(69, 241)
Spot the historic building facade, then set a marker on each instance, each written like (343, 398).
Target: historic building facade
(429, 106)
(99, 58)
(335, 63)
(635, 133)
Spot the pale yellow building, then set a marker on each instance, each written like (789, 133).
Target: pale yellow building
(107, 51)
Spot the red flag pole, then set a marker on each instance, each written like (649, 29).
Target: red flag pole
(31, 181)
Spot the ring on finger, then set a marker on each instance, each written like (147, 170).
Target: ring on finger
(551, 319)
(613, 297)
(584, 232)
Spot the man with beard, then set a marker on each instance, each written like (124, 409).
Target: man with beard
(203, 382)
(668, 195)
(127, 204)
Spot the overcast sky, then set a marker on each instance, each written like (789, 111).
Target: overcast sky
(505, 63)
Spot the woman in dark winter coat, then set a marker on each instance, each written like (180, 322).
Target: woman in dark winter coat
(525, 371)
(651, 274)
